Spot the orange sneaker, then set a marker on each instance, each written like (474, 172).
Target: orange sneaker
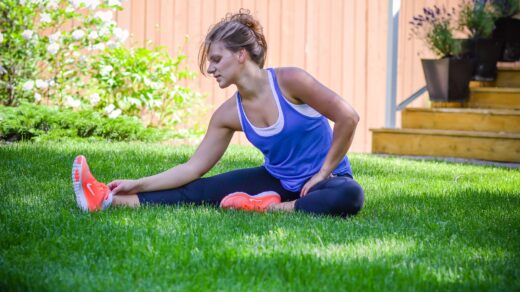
(245, 202)
(91, 195)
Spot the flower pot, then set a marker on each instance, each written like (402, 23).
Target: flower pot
(484, 52)
(447, 80)
(507, 30)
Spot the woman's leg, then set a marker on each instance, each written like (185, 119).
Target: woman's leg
(341, 196)
(211, 190)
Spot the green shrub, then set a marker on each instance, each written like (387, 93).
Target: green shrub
(477, 18)
(38, 122)
(142, 82)
(39, 58)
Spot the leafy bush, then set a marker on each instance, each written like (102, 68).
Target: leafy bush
(477, 18)
(38, 122)
(39, 60)
(143, 81)
(85, 67)
(505, 8)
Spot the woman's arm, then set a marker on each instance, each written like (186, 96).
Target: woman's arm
(301, 86)
(208, 153)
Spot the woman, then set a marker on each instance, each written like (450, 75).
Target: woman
(283, 112)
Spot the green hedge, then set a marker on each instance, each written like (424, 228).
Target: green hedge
(38, 122)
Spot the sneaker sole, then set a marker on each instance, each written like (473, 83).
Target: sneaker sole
(76, 181)
(275, 197)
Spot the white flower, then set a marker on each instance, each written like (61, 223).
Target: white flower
(27, 34)
(94, 99)
(114, 3)
(105, 16)
(76, 3)
(121, 34)
(53, 48)
(112, 44)
(109, 108)
(156, 85)
(100, 46)
(103, 31)
(41, 84)
(92, 4)
(72, 102)
(52, 4)
(78, 34)
(158, 103)
(51, 82)
(28, 85)
(69, 9)
(115, 114)
(105, 70)
(55, 37)
(37, 97)
(135, 101)
(93, 35)
(1, 37)
(45, 18)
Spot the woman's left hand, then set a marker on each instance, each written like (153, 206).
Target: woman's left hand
(321, 175)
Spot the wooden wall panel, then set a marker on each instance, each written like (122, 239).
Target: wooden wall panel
(340, 42)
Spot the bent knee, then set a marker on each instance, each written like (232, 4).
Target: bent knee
(351, 198)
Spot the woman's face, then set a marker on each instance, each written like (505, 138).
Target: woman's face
(224, 64)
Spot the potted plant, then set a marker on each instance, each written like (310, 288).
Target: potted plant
(447, 78)
(507, 28)
(477, 19)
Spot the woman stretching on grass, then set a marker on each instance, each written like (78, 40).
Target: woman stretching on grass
(282, 111)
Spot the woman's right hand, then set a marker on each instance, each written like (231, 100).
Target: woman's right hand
(124, 186)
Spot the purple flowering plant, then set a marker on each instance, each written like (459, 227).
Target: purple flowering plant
(435, 26)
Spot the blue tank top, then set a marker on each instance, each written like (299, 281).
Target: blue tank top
(296, 145)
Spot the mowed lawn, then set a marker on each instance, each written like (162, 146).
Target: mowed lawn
(425, 225)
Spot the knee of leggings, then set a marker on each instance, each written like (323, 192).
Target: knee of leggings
(351, 198)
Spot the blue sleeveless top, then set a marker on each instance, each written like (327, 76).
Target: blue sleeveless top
(296, 145)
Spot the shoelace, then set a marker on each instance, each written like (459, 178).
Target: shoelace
(100, 188)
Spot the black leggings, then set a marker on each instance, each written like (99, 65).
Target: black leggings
(340, 195)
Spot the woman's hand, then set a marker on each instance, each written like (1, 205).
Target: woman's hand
(321, 175)
(124, 186)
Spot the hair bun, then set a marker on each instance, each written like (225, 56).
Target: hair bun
(244, 17)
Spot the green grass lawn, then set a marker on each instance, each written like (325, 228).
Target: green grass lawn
(426, 225)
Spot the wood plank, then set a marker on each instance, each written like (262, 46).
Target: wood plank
(493, 147)
(436, 104)
(494, 97)
(166, 25)
(360, 71)
(484, 120)
(138, 23)
(152, 16)
(508, 78)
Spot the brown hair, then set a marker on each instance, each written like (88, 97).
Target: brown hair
(236, 31)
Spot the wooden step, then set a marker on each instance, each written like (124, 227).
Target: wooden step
(503, 147)
(494, 97)
(508, 77)
(462, 119)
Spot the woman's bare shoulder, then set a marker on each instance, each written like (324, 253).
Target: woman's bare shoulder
(226, 114)
(291, 79)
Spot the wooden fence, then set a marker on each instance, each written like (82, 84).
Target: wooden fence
(341, 43)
